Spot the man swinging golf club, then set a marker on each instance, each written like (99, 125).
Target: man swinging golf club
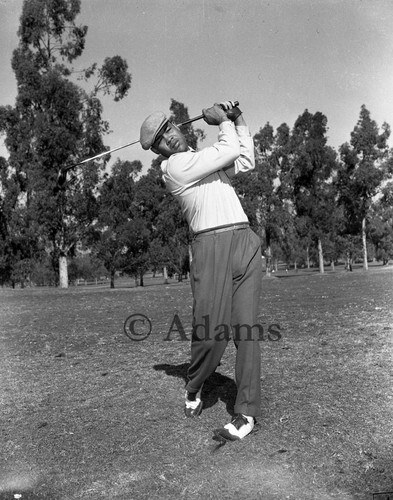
(226, 257)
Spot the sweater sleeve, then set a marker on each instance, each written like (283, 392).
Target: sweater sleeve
(246, 159)
(190, 167)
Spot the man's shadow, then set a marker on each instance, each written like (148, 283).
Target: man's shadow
(217, 387)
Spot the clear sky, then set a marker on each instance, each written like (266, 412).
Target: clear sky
(277, 57)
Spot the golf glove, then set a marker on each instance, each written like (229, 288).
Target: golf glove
(232, 111)
(215, 115)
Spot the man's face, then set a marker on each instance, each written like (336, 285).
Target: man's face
(170, 141)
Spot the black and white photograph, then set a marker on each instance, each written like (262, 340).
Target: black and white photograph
(196, 250)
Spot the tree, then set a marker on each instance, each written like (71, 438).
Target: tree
(55, 121)
(20, 249)
(173, 234)
(112, 235)
(136, 238)
(262, 191)
(150, 193)
(363, 166)
(380, 229)
(313, 166)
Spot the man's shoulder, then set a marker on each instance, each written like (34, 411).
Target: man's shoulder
(179, 158)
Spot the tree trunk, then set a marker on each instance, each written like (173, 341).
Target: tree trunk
(320, 256)
(308, 258)
(112, 278)
(141, 278)
(63, 271)
(333, 266)
(365, 263)
(268, 261)
(165, 275)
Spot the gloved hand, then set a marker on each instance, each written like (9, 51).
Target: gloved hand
(214, 115)
(232, 111)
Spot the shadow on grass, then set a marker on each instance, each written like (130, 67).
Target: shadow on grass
(216, 388)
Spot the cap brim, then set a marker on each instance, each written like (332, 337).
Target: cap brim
(156, 135)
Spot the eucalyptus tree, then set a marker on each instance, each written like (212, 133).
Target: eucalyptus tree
(55, 121)
(312, 174)
(110, 235)
(380, 230)
(364, 165)
(263, 192)
(19, 247)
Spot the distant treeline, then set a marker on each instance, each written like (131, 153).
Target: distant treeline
(308, 202)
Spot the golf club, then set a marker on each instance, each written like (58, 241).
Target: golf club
(62, 175)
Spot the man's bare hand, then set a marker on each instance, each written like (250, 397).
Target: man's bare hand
(214, 115)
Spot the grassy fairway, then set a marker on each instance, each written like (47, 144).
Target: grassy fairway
(87, 413)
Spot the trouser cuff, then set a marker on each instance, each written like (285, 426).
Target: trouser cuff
(250, 411)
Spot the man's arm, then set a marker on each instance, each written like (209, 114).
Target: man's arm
(187, 168)
(246, 159)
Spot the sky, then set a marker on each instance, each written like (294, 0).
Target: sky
(276, 57)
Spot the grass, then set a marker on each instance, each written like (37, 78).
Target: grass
(88, 413)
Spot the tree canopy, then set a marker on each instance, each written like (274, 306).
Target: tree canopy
(306, 201)
(53, 123)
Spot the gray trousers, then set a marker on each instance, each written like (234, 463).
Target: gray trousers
(226, 273)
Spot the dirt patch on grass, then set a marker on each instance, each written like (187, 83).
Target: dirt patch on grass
(88, 413)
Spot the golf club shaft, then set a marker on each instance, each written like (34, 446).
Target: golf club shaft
(65, 169)
(100, 155)
(199, 117)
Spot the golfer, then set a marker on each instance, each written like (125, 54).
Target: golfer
(226, 257)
